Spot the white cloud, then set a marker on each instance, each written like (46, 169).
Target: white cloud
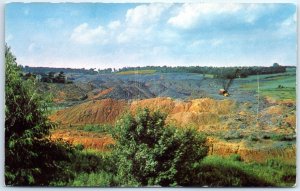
(141, 22)
(114, 25)
(287, 27)
(145, 14)
(190, 13)
(84, 35)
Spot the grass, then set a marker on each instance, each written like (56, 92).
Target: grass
(209, 76)
(130, 72)
(276, 86)
(100, 179)
(94, 168)
(103, 128)
(218, 171)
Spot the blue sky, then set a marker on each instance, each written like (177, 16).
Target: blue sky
(116, 35)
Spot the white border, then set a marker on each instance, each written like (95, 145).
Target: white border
(2, 82)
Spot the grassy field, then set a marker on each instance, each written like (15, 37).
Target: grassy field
(214, 171)
(130, 72)
(276, 86)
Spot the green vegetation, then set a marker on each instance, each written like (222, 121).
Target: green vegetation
(277, 86)
(218, 171)
(147, 151)
(30, 157)
(104, 128)
(130, 72)
(95, 169)
(152, 153)
(216, 71)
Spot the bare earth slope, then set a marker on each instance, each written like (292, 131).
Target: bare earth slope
(230, 125)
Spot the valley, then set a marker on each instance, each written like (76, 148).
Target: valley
(258, 123)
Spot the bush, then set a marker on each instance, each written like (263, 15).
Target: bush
(235, 157)
(30, 157)
(89, 162)
(233, 135)
(282, 137)
(253, 138)
(149, 152)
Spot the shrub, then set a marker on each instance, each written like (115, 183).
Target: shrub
(253, 138)
(265, 136)
(233, 135)
(152, 153)
(282, 137)
(235, 157)
(30, 157)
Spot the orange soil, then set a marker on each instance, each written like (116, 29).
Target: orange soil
(92, 112)
(249, 154)
(205, 114)
(102, 93)
(197, 112)
(89, 140)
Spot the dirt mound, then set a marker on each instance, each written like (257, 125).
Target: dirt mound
(197, 112)
(213, 117)
(163, 104)
(92, 112)
(88, 140)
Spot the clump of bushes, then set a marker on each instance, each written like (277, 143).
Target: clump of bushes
(253, 138)
(152, 153)
(233, 135)
(282, 137)
(235, 157)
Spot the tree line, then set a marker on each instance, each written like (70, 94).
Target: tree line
(244, 71)
(217, 72)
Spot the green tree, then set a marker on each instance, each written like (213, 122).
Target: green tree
(149, 152)
(31, 158)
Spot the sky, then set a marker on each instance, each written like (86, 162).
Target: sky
(102, 35)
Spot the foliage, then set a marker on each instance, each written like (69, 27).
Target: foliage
(235, 157)
(57, 70)
(243, 71)
(30, 157)
(99, 128)
(218, 171)
(233, 134)
(282, 137)
(152, 153)
(268, 85)
(102, 179)
(136, 72)
(92, 169)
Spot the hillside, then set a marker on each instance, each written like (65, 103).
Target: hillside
(235, 128)
(181, 86)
